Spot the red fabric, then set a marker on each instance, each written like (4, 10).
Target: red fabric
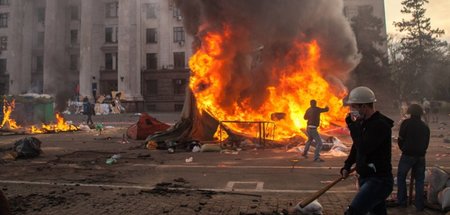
(145, 126)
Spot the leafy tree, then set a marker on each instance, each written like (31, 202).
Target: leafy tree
(395, 64)
(421, 50)
(372, 71)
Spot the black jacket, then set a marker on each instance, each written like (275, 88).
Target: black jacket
(313, 115)
(371, 149)
(413, 137)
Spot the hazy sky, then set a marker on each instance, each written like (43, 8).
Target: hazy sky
(437, 10)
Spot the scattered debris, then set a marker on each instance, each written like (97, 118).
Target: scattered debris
(196, 149)
(152, 145)
(313, 208)
(99, 127)
(113, 159)
(28, 147)
(189, 160)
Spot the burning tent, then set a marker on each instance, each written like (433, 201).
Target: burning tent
(146, 125)
(256, 58)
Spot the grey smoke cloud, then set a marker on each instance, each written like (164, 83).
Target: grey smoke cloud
(275, 25)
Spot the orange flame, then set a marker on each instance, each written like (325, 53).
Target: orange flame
(296, 84)
(7, 110)
(60, 125)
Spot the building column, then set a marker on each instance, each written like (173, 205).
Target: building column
(91, 39)
(129, 72)
(56, 58)
(19, 47)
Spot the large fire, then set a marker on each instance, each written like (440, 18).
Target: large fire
(293, 86)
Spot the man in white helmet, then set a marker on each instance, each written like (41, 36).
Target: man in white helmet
(371, 133)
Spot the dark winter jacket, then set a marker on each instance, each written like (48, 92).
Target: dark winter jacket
(414, 137)
(371, 149)
(312, 114)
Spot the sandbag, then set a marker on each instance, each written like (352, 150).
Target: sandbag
(211, 148)
(444, 199)
(313, 208)
(28, 147)
(437, 179)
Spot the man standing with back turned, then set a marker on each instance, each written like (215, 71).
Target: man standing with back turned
(313, 117)
(371, 133)
(413, 141)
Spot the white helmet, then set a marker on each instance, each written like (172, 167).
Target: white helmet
(361, 95)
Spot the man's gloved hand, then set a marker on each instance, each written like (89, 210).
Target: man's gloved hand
(348, 119)
(345, 173)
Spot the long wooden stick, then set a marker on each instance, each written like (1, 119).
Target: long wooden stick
(317, 194)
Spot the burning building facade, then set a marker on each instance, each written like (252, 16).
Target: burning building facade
(138, 47)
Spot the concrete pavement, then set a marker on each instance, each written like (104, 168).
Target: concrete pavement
(71, 177)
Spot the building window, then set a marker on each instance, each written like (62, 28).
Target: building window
(152, 87)
(40, 39)
(41, 15)
(2, 66)
(110, 61)
(151, 11)
(3, 20)
(179, 86)
(112, 10)
(74, 14)
(152, 61)
(39, 64)
(3, 43)
(4, 2)
(178, 60)
(73, 37)
(111, 34)
(151, 35)
(73, 62)
(178, 107)
(177, 13)
(178, 34)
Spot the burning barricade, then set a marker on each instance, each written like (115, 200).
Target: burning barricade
(9, 124)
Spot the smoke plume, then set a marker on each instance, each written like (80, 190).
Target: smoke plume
(271, 28)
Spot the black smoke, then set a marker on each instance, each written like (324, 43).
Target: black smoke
(273, 26)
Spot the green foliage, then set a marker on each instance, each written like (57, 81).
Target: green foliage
(418, 70)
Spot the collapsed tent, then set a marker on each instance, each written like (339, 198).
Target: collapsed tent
(146, 125)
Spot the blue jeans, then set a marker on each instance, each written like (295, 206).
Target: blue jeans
(313, 135)
(417, 164)
(372, 195)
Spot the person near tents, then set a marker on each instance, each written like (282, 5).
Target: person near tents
(117, 106)
(88, 110)
(371, 133)
(413, 140)
(312, 115)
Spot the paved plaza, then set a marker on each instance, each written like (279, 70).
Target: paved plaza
(71, 176)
